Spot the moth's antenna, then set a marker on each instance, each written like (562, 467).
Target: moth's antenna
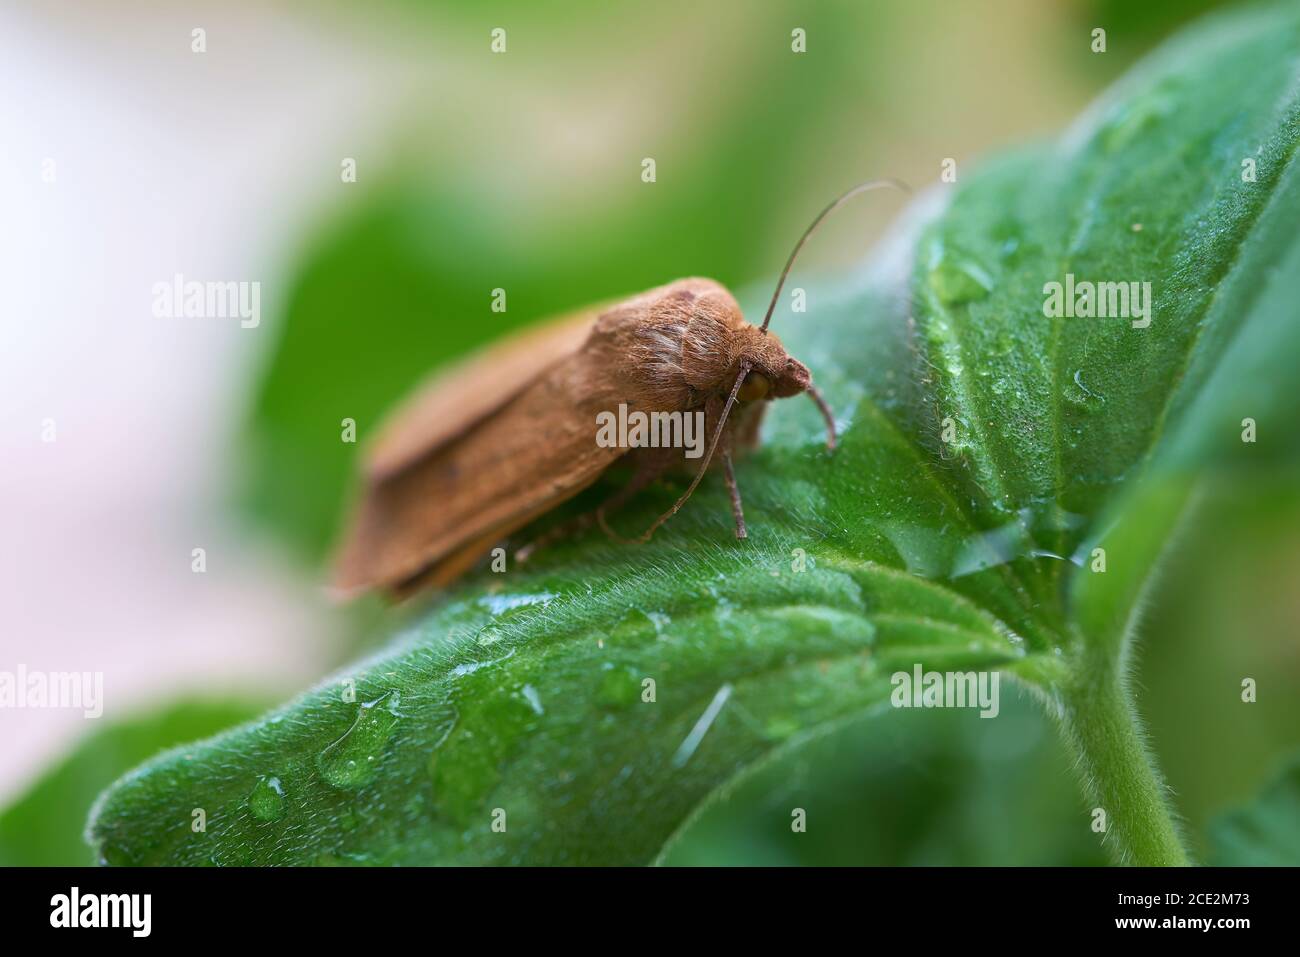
(835, 204)
(704, 466)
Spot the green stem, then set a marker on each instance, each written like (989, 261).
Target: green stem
(1118, 769)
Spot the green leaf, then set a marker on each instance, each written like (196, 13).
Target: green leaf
(1264, 833)
(987, 452)
(45, 826)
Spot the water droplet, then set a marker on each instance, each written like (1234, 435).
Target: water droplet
(619, 687)
(780, 727)
(350, 761)
(919, 546)
(267, 799)
(638, 627)
(469, 668)
(959, 281)
(723, 609)
(115, 855)
(499, 604)
(1139, 116)
(987, 549)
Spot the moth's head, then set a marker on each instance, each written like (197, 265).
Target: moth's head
(774, 373)
(695, 335)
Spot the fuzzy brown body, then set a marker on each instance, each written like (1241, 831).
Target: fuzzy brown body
(509, 434)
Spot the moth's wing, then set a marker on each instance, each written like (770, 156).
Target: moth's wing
(447, 569)
(488, 476)
(456, 398)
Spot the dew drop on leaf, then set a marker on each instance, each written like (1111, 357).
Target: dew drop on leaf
(349, 761)
(267, 798)
(619, 687)
(959, 281)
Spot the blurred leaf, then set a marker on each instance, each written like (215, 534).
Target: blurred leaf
(1266, 832)
(526, 700)
(1226, 610)
(45, 827)
(917, 788)
(1131, 27)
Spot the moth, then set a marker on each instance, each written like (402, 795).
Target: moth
(507, 435)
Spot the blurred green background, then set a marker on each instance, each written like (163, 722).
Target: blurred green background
(522, 171)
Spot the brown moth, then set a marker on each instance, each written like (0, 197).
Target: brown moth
(510, 433)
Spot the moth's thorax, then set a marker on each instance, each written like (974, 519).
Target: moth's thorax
(674, 343)
(684, 342)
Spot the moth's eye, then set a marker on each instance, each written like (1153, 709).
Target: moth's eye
(755, 386)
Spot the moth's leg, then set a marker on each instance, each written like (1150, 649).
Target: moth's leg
(716, 433)
(729, 439)
(737, 510)
(827, 414)
(648, 468)
(651, 464)
(558, 533)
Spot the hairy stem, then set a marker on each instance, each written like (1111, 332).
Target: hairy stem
(1118, 770)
